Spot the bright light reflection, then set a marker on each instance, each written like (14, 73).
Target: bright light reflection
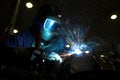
(54, 57)
(87, 52)
(77, 51)
(67, 46)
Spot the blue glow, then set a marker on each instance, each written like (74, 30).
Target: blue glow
(54, 57)
(42, 43)
(49, 24)
(83, 46)
(77, 51)
(75, 36)
(46, 35)
(72, 35)
(48, 29)
(56, 45)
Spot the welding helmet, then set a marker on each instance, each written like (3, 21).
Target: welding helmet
(48, 20)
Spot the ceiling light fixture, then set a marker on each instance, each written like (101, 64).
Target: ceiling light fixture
(59, 16)
(29, 5)
(114, 16)
(15, 31)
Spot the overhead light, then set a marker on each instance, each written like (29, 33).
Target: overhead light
(29, 5)
(15, 31)
(59, 16)
(102, 56)
(114, 16)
